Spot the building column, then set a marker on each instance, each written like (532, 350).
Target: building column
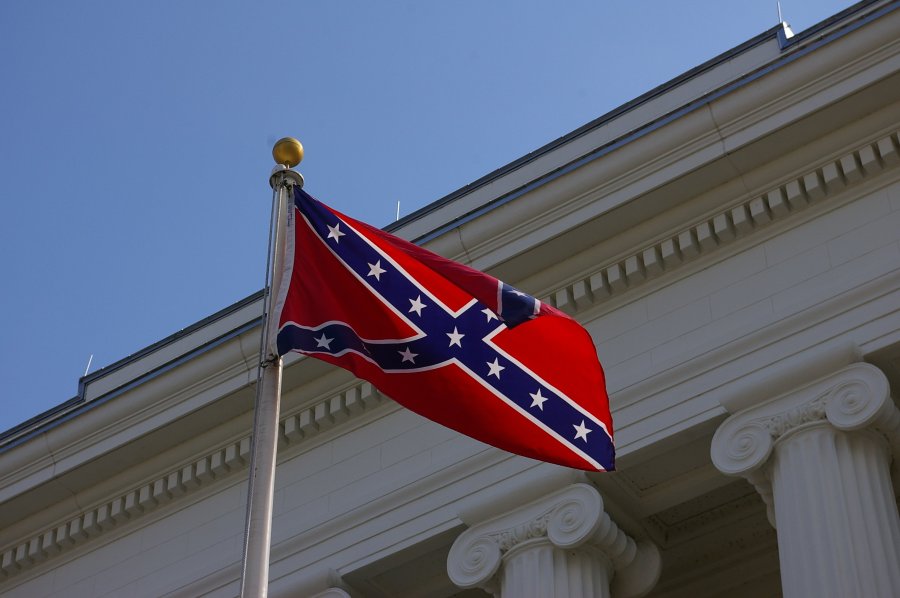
(820, 457)
(563, 545)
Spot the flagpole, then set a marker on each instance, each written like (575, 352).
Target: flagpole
(288, 152)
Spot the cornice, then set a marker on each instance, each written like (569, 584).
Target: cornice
(183, 482)
(732, 116)
(150, 404)
(738, 222)
(195, 344)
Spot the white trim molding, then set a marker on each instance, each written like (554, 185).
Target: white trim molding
(726, 226)
(201, 473)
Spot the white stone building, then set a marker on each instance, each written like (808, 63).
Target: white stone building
(731, 240)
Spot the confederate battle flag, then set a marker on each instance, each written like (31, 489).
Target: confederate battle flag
(448, 342)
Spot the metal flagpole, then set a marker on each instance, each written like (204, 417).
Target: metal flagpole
(288, 152)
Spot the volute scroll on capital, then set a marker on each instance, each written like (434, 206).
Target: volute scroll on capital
(854, 398)
(568, 519)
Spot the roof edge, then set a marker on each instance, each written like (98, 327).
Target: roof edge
(776, 32)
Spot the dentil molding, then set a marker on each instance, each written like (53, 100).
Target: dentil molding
(186, 481)
(721, 229)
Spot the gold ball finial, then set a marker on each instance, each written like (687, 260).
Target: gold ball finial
(288, 151)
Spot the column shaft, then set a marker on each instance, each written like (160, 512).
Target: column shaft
(542, 570)
(838, 526)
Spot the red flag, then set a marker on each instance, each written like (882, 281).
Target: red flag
(446, 341)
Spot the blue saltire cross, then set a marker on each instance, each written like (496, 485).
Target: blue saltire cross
(441, 337)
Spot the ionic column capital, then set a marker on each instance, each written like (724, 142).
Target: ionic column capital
(853, 398)
(820, 458)
(570, 518)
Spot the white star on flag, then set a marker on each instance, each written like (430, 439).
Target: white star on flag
(376, 270)
(324, 342)
(417, 305)
(334, 232)
(537, 400)
(581, 431)
(455, 338)
(495, 368)
(408, 356)
(490, 315)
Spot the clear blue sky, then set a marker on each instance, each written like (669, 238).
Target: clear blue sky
(135, 138)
